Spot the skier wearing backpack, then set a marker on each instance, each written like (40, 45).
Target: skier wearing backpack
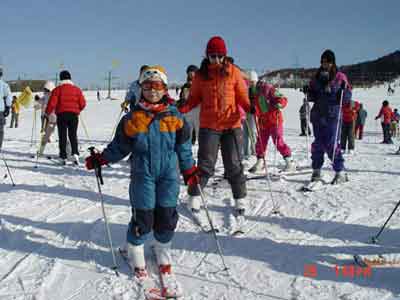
(157, 136)
(269, 105)
(326, 90)
(219, 88)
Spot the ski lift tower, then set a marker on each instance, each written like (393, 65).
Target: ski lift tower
(110, 78)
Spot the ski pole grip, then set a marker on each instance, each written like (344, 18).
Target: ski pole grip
(96, 165)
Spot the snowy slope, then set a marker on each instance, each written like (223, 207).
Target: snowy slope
(53, 243)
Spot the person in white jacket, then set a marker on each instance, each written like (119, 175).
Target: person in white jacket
(5, 104)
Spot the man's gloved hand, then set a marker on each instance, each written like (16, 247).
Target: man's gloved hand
(191, 176)
(306, 89)
(95, 159)
(6, 111)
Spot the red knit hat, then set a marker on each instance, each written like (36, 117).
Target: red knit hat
(216, 45)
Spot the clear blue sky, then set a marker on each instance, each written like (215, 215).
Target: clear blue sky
(87, 35)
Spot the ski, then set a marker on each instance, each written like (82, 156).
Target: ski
(170, 287)
(279, 175)
(377, 260)
(150, 289)
(319, 184)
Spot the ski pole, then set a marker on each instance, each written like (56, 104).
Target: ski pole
(374, 239)
(99, 179)
(8, 170)
(307, 127)
(84, 127)
(219, 249)
(33, 125)
(343, 85)
(275, 210)
(116, 123)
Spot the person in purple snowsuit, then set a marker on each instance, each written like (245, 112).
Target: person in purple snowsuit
(325, 90)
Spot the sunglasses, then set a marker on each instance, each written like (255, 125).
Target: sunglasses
(215, 56)
(155, 85)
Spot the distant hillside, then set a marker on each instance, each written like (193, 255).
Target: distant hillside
(383, 69)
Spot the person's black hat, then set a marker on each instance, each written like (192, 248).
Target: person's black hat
(191, 68)
(65, 75)
(329, 56)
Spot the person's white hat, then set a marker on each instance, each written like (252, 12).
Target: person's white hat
(49, 85)
(253, 76)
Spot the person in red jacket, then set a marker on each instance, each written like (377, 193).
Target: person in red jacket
(67, 101)
(349, 113)
(385, 114)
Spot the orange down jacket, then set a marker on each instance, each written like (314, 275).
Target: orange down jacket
(219, 98)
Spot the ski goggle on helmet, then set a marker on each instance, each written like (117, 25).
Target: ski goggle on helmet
(152, 73)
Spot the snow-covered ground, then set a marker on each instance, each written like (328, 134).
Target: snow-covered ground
(53, 243)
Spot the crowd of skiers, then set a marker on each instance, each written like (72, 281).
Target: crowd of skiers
(222, 109)
(59, 106)
(158, 134)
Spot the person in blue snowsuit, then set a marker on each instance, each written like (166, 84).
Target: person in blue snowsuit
(325, 91)
(157, 136)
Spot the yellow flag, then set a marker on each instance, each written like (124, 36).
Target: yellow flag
(115, 63)
(25, 98)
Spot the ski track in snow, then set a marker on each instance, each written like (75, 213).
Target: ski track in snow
(53, 242)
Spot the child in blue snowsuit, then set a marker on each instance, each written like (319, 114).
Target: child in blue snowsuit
(325, 91)
(158, 137)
